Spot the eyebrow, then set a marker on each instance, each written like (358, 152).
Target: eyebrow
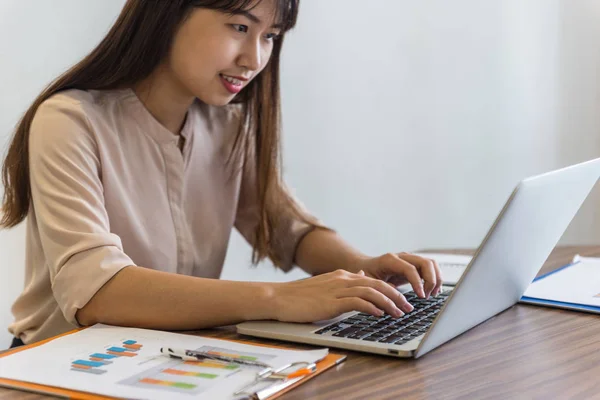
(254, 18)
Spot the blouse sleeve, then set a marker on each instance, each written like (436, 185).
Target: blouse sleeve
(68, 205)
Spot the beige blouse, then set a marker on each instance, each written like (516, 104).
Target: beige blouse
(111, 188)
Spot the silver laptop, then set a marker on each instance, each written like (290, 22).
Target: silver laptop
(531, 223)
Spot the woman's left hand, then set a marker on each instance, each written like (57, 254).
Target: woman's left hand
(401, 268)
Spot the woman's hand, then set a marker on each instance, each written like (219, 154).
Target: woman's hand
(402, 268)
(329, 295)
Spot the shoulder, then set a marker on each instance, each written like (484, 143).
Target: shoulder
(71, 115)
(61, 122)
(75, 104)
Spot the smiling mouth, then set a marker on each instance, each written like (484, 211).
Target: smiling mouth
(233, 81)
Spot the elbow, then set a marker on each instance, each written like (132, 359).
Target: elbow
(86, 316)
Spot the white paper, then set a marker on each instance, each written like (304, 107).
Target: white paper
(144, 373)
(578, 283)
(452, 266)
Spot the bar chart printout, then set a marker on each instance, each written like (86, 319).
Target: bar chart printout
(192, 377)
(97, 363)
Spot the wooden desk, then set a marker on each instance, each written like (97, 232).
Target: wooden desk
(525, 352)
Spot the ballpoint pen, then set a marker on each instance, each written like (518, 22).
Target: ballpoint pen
(194, 355)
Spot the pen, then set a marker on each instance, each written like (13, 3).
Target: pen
(193, 355)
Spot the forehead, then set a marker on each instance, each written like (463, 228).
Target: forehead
(269, 12)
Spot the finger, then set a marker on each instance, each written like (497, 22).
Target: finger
(426, 269)
(439, 280)
(390, 292)
(373, 296)
(412, 275)
(347, 304)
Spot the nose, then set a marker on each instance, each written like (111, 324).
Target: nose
(251, 57)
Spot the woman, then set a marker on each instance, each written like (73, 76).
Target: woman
(135, 165)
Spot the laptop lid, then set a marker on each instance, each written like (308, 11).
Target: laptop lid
(531, 223)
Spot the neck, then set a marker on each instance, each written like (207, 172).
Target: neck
(165, 99)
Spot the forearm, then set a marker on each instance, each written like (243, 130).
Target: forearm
(323, 251)
(146, 298)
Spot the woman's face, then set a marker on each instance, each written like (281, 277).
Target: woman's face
(215, 55)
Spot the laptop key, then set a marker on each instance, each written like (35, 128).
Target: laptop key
(377, 336)
(346, 332)
(371, 339)
(390, 339)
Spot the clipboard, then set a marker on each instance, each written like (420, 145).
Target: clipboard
(553, 303)
(271, 391)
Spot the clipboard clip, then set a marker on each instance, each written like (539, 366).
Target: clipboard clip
(295, 370)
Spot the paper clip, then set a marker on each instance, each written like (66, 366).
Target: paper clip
(299, 369)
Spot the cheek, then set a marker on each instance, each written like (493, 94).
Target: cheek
(198, 62)
(265, 57)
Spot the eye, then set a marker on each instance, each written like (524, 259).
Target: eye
(240, 28)
(271, 36)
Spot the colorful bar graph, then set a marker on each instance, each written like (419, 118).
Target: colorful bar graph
(217, 353)
(87, 366)
(117, 349)
(96, 360)
(173, 371)
(100, 360)
(121, 354)
(88, 363)
(211, 364)
(103, 356)
(180, 385)
(94, 371)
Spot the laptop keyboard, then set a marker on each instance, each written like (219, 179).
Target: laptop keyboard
(386, 329)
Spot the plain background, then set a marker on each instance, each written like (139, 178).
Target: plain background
(407, 124)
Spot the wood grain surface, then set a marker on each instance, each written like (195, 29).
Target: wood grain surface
(526, 352)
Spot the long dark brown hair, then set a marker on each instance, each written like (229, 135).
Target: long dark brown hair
(137, 43)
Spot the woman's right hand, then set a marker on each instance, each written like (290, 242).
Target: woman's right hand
(329, 295)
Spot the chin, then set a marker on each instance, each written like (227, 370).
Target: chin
(216, 100)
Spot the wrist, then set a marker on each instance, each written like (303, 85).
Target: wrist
(357, 262)
(260, 304)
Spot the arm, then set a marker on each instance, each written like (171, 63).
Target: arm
(93, 280)
(322, 251)
(151, 299)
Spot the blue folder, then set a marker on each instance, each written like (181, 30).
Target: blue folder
(559, 304)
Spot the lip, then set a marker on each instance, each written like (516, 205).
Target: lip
(230, 87)
(241, 78)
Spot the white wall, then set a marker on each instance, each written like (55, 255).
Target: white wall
(407, 123)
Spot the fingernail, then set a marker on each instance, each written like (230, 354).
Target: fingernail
(398, 313)
(361, 272)
(407, 307)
